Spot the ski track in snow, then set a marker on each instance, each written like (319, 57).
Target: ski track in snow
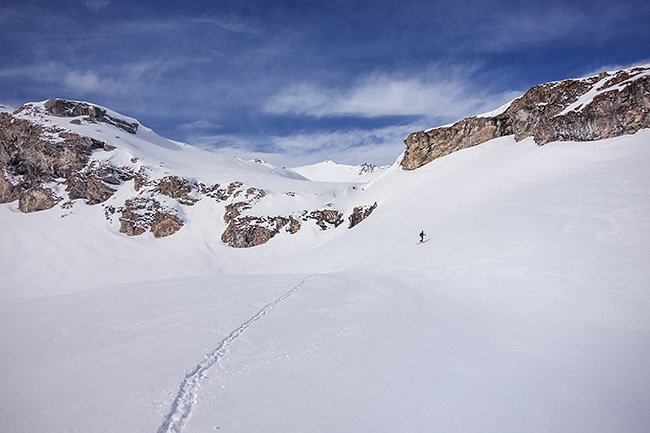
(181, 408)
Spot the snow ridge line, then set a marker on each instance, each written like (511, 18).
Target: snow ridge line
(181, 408)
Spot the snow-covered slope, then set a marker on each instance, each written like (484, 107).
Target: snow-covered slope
(527, 309)
(330, 171)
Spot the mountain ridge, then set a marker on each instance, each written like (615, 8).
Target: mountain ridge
(56, 152)
(601, 106)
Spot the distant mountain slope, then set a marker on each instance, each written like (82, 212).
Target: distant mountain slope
(57, 156)
(330, 171)
(593, 108)
(58, 153)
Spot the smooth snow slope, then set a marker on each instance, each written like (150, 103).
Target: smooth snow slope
(527, 310)
(330, 171)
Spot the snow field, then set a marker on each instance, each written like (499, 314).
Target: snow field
(527, 310)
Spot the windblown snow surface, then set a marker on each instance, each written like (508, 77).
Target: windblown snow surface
(527, 309)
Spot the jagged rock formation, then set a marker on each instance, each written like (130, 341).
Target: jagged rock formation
(92, 113)
(325, 218)
(251, 231)
(604, 106)
(32, 156)
(360, 213)
(244, 231)
(367, 168)
(141, 214)
(177, 188)
(97, 182)
(37, 198)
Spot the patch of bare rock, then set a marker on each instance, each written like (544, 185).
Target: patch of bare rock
(141, 214)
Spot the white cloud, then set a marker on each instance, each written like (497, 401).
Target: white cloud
(338, 140)
(90, 82)
(87, 81)
(96, 5)
(379, 146)
(48, 71)
(383, 95)
(198, 125)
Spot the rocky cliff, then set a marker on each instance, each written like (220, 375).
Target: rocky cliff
(593, 108)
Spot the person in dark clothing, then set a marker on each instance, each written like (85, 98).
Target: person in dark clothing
(422, 235)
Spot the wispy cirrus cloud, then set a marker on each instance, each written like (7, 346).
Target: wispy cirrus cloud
(111, 79)
(91, 82)
(96, 5)
(378, 145)
(380, 95)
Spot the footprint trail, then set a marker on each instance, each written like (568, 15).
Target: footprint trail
(181, 408)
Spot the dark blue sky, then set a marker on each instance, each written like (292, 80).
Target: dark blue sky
(308, 80)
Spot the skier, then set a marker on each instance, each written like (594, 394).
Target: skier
(422, 235)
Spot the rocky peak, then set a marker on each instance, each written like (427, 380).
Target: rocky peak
(34, 157)
(593, 108)
(90, 113)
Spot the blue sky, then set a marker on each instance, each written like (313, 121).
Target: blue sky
(306, 81)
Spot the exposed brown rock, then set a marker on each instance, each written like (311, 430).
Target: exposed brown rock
(37, 198)
(141, 214)
(64, 108)
(367, 168)
(233, 210)
(97, 182)
(8, 191)
(140, 179)
(253, 193)
(251, 231)
(177, 188)
(25, 150)
(32, 155)
(90, 188)
(623, 109)
(424, 146)
(360, 213)
(233, 188)
(293, 226)
(165, 224)
(325, 218)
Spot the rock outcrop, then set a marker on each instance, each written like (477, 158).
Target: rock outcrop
(37, 198)
(251, 231)
(32, 156)
(325, 218)
(97, 182)
(603, 106)
(90, 113)
(141, 214)
(360, 213)
(177, 188)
